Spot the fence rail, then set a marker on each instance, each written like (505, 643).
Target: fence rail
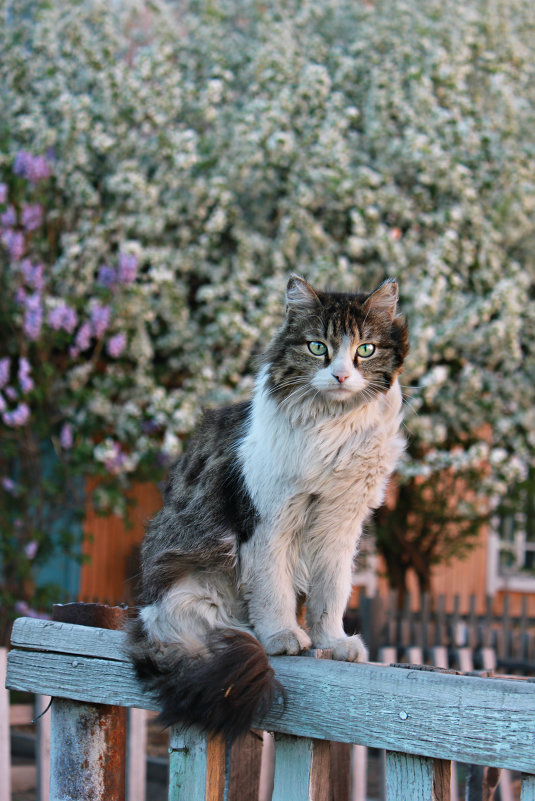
(423, 718)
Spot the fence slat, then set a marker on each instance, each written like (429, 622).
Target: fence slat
(83, 760)
(196, 766)
(43, 715)
(293, 765)
(527, 788)
(5, 755)
(413, 778)
(136, 754)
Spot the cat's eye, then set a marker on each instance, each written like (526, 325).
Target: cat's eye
(366, 350)
(317, 348)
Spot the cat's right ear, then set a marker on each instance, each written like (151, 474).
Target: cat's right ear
(300, 295)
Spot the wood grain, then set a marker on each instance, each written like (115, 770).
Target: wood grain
(408, 778)
(293, 759)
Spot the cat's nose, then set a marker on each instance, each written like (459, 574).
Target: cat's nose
(341, 377)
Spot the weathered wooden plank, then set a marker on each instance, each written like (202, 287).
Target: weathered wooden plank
(293, 762)
(245, 767)
(408, 778)
(412, 778)
(527, 788)
(467, 719)
(77, 677)
(68, 638)
(85, 762)
(442, 779)
(196, 766)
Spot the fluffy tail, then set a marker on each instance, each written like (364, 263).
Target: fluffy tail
(221, 690)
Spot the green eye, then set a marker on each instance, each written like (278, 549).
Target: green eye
(366, 350)
(317, 348)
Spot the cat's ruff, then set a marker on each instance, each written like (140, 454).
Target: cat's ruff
(268, 504)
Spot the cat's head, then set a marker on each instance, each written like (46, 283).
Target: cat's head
(335, 351)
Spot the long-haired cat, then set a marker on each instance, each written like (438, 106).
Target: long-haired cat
(267, 505)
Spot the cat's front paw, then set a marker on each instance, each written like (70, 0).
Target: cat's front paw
(350, 649)
(287, 641)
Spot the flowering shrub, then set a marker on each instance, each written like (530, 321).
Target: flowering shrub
(163, 171)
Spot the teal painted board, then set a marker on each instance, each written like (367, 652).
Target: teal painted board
(408, 778)
(527, 788)
(293, 761)
(187, 765)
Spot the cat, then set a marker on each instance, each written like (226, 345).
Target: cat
(268, 504)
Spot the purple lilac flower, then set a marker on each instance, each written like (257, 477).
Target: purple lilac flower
(5, 366)
(3, 404)
(34, 168)
(3, 193)
(100, 319)
(11, 393)
(32, 216)
(115, 461)
(83, 337)
(38, 169)
(18, 417)
(107, 276)
(128, 267)
(37, 280)
(14, 242)
(9, 485)
(66, 438)
(22, 608)
(21, 159)
(9, 217)
(63, 316)
(25, 380)
(21, 295)
(30, 549)
(116, 345)
(33, 317)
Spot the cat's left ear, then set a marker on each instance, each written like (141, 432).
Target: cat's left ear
(300, 295)
(384, 298)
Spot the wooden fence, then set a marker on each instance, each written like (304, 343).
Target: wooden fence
(422, 718)
(431, 625)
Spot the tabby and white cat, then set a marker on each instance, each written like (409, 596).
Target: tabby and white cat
(267, 505)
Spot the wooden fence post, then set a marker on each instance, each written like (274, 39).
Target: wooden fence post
(88, 741)
(5, 749)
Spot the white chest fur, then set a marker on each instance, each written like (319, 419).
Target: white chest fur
(343, 460)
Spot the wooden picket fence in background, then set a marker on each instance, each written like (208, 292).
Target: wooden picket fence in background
(510, 637)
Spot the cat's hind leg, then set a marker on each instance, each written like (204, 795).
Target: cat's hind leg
(199, 660)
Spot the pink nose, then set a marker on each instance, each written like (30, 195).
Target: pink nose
(341, 377)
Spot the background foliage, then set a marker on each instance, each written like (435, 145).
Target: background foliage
(165, 166)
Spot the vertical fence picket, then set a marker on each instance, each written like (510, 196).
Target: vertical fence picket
(5, 752)
(245, 767)
(527, 788)
(196, 766)
(136, 755)
(413, 778)
(84, 759)
(43, 715)
(293, 768)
